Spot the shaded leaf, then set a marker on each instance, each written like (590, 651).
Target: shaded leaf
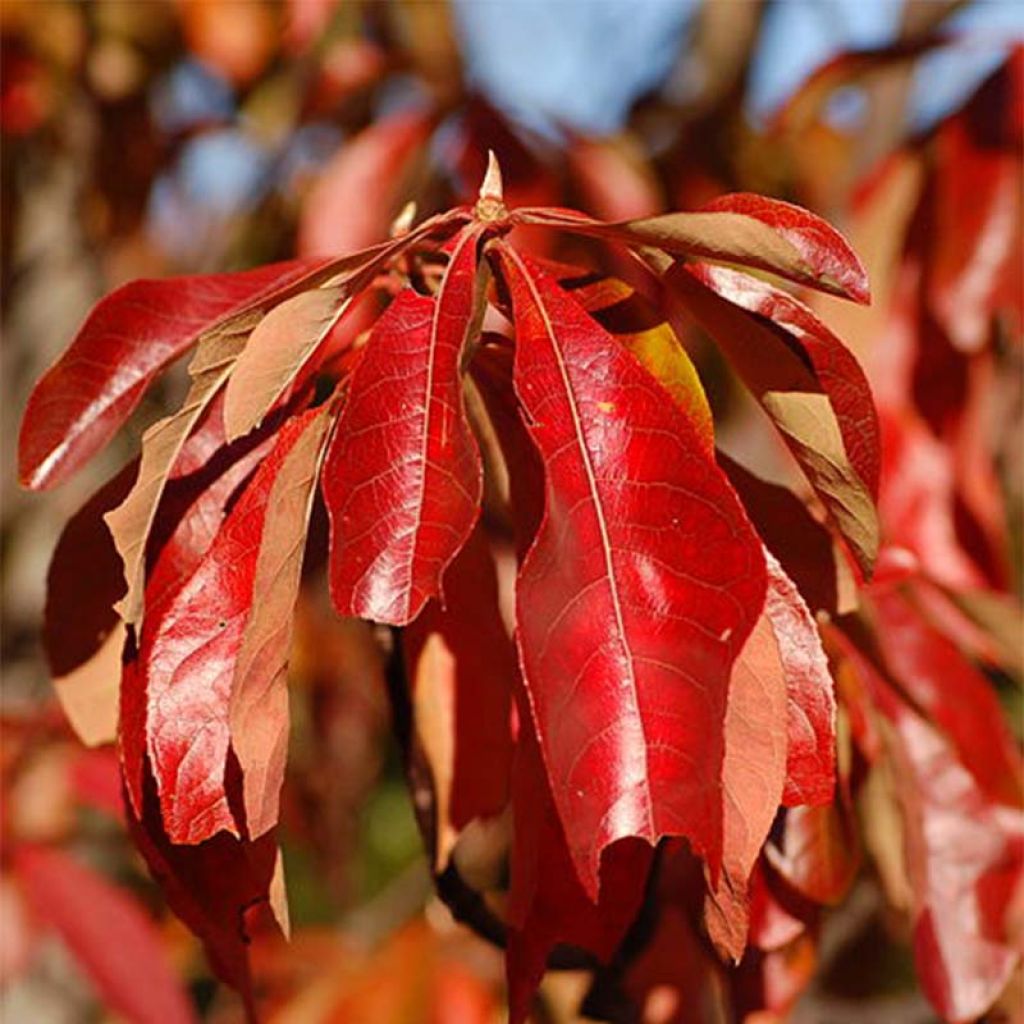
(219, 888)
(802, 545)
(82, 634)
(462, 667)
(547, 903)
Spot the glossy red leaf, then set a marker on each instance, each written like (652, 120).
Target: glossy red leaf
(108, 933)
(128, 339)
(639, 590)
(825, 417)
(403, 477)
(946, 687)
(821, 247)
(742, 229)
(964, 857)
(461, 665)
(213, 650)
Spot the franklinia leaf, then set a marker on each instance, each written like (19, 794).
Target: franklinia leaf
(943, 684)
(807, 383)
(803, 546)
(220, 888)
(82, 634)
(639, 590)
(753, 776)
(108, 933)
(547, 903)
(964, 856)
(748, 230)
(127, 340)
(461, 666)
(816, 851)
(402, 479)
(132, 521)
(357, 194)
(810, 700)
(212, 652)
(289, 336)
(645, 332)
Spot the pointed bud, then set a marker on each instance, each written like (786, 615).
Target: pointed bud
(401, 224)
(490, 206)
(491, 187)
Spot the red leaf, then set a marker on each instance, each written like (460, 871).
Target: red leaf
(116, 944)
(547, 903)
(753, 776)
(821, 247)
(640, 588)
(810, 701)
(791, 369)
(800, 542)
(817, 852)
(964, 858)
(403, 477)
(461, 669)
(218, 888)
(356, 196)
(742, 229)
(839, 373)
(951, 691)
(195, 649)
(975, 232)
(192, 512)
(127, 340)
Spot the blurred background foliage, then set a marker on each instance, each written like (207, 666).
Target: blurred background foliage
(155, 137)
